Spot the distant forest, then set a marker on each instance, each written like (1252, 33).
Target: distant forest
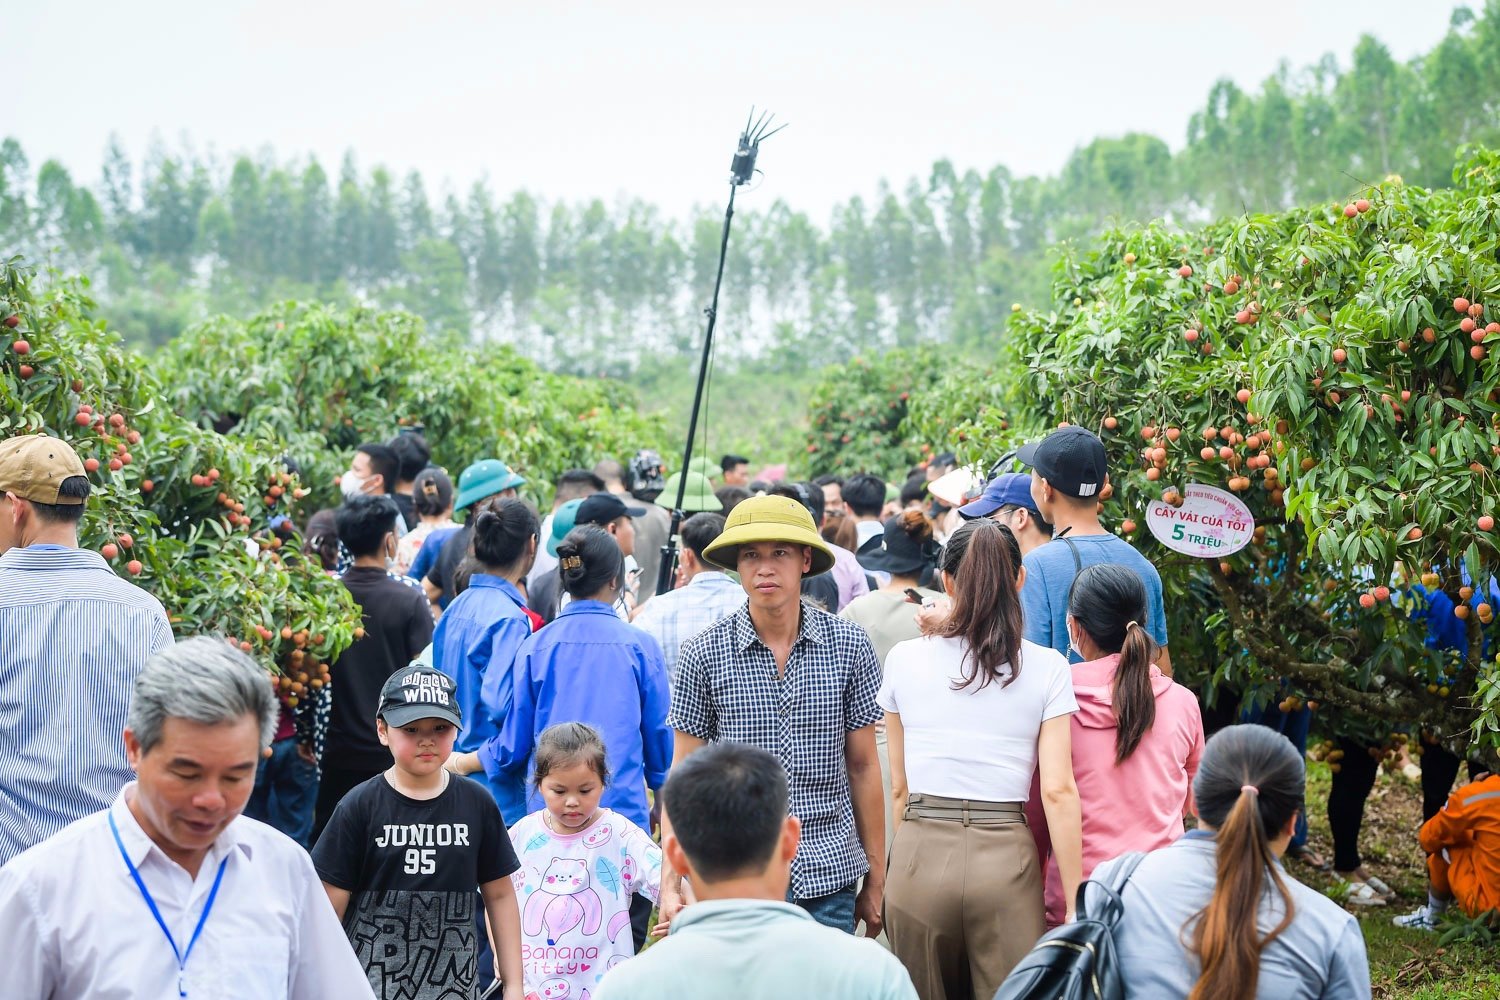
(618, 289)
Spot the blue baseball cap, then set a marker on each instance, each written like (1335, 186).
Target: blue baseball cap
(1011, 489)
(485, 479)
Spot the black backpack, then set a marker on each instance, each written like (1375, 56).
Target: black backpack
(1077, 961)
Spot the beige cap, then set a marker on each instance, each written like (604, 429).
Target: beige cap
(34, 466)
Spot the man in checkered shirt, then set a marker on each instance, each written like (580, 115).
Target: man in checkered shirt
(800, 683)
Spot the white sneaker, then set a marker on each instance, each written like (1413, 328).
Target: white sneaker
(1423, 918)
(1362, 894)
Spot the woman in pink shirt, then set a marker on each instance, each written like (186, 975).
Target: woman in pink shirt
(1137, 735)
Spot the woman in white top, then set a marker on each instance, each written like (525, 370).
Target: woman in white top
(971, 713)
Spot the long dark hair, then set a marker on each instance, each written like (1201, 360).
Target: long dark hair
(1108, 602)
(1249, 785)
(984, 559)
(588, 560)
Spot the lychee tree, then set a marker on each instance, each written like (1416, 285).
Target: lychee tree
(175, 508)
(1337, 368)
(856, 412)
(319, 380)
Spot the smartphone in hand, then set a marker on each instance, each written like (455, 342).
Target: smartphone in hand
(913, 595)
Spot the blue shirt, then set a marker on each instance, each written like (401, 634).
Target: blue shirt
(73, 637)
(1320, 955)
(428, 553)
(476, 643)
(1049, 579)
(588, 666)
(757, 949)
(1445, 630)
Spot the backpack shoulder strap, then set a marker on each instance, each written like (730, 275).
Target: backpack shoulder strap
(1128, 864)
(1109, 894)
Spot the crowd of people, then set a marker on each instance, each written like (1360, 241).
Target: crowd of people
(930, 711)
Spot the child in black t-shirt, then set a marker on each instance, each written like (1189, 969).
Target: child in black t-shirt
(404, 852)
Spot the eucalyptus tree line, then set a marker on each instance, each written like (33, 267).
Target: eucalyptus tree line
(610, 288)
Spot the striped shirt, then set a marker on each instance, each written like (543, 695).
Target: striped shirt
(727, 688)
(73, 637)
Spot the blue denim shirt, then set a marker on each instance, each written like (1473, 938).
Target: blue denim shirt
(476, 643)
(588, 666)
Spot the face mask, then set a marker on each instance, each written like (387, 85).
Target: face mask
(351, 485)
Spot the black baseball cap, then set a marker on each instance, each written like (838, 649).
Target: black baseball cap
(1071, 459)
(604, 508)
(418, 692)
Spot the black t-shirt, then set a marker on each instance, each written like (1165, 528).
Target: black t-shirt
(407, 505)
(414, 868)
(545, 595)
(398, 625)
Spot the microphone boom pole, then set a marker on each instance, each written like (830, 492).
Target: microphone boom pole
(741, 170)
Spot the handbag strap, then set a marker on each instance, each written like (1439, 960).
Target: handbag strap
(1113, 890)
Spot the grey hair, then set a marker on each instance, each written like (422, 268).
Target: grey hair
(203, 680)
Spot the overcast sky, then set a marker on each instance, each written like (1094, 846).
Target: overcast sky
(573, 100)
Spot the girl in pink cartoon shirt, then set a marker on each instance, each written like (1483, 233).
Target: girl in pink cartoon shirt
(580, 865)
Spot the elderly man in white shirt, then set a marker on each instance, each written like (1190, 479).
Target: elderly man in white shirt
(170, 891)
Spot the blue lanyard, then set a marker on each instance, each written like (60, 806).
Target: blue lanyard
(182, 956)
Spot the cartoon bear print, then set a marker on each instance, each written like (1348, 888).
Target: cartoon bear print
(597, 837)
(564, 901)
(552, 989)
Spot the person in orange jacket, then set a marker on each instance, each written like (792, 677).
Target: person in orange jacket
(1463, 852)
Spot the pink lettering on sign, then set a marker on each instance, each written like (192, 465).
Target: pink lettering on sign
(1210, 524)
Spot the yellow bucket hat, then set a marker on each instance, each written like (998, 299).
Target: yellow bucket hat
(769, 519)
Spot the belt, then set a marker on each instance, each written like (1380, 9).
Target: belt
(969, 812)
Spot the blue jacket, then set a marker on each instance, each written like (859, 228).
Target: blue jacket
(588, 666)
(476, 643)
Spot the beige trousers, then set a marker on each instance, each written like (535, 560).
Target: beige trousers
(963, 896)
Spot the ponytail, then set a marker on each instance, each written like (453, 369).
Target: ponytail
(1249, 786)
(1108, 601)
(1133, 699)
(984, 559)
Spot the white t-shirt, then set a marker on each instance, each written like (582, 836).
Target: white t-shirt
(974, 743)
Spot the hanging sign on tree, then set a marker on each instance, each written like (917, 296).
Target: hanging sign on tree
(1210, 523)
